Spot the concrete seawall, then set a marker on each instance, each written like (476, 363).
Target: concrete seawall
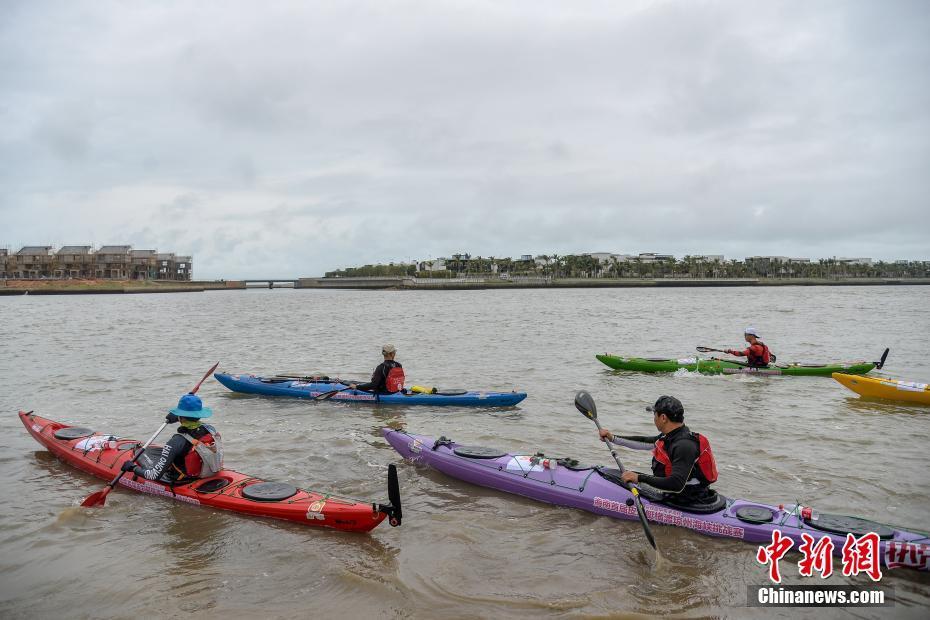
(69, 287)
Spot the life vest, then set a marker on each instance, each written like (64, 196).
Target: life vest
(205, 457)
(706, 471)
(759, 360)
(394, 381)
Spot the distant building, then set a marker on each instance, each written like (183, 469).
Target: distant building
(144, 264)
(114, 262)
(117, 262)
(75, 261)
(172, 267)
(33, 261)
(709, 258)
(652, 257)
(855, 261)
(438, 264)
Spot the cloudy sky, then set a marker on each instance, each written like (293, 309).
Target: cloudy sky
(275, 139)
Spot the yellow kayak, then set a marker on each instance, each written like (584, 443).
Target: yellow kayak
(890, 389)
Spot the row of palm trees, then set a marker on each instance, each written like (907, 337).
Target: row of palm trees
(585, 266)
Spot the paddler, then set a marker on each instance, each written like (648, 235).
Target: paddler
(683, 465)
(195, 451)
(757, 354)
(388, 376)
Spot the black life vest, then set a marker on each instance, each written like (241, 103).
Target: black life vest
(705, 470)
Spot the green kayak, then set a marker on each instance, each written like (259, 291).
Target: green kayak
(716, 367)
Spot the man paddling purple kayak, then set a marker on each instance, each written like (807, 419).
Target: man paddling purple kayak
(683, 465)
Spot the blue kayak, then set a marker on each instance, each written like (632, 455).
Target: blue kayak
(298, 388)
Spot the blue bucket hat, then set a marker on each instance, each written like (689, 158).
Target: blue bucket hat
(190, 406)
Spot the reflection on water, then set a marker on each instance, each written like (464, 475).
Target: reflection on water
(463, 551)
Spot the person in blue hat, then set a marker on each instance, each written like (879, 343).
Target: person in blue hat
(195, 451)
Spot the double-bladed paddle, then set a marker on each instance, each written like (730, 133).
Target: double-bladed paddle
(709, 349)
(585, 404)
(99, 498)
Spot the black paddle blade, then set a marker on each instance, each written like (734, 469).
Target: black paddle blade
(881, 362)
(395, 513)
(645, 521)
(585, 404)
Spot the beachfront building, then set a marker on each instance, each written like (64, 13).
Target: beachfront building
(113, 262)
(33, 261)
(172, 267)
(74, 261)
(110, 262)
(144, 264)
(183, 268)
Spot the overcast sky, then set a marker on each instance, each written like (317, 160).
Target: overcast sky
(274, 139)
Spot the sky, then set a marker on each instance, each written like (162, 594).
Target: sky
(285, 139)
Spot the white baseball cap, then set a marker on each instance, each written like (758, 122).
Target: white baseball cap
(388, 349)
(752, 331)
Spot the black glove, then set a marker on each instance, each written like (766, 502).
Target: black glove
(171, 418)
(128, 466)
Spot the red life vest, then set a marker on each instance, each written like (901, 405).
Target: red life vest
(394, 381)
(758, 360)
(706, 465)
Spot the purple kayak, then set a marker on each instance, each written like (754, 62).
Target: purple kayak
(595, 489)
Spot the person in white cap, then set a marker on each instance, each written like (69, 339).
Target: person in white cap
(757, 354)
(388, 377)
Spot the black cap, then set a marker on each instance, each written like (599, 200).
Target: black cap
(670, 406)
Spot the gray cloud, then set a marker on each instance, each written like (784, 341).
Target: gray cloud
(295, 137)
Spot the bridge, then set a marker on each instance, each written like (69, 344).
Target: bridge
(271, 282)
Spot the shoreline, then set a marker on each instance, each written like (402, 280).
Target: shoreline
(477, 283)
(110, 287)
(117, 287)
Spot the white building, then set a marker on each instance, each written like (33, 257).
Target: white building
(652, 257)
(855, 261)
(438, 264)
(607, 257)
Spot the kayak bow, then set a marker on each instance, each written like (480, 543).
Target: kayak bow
(887, 389)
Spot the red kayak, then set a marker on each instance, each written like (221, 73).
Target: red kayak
(102, 456)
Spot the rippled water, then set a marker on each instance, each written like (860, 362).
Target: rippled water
(116, 363)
